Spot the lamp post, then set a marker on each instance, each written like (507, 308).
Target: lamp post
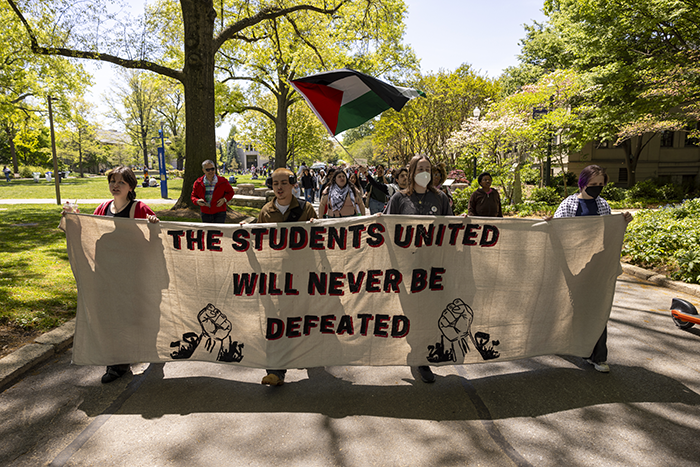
(161, 165)
(53, 152)
(477, 114)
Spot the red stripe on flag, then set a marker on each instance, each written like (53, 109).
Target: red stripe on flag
(325, 100)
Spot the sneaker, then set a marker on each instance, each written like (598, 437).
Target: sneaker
(426, 374)
(113, 373)
(601, 367)
(273, 380)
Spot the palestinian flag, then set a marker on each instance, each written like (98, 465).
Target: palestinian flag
(346, 98)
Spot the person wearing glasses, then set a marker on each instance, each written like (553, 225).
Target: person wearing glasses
(211, 193)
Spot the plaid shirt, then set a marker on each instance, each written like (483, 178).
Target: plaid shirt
(209, 188)
(568, 207)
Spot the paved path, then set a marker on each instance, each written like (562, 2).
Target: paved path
(81, 201)
(544, 411)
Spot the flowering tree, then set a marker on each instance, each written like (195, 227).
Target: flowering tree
(519, 128)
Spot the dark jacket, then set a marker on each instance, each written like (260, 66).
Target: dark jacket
(484, 204)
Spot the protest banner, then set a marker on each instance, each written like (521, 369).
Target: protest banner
(381, 290)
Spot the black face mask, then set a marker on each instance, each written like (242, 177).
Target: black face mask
(593, 191)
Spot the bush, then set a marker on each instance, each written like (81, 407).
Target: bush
(645, 189)
(529, 209)
(460, 198)
(671, 192)
(27, 171)
(612, 193)
(667, 237)
(547, 195)
(571, 180)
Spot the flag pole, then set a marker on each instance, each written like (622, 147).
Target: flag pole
(346, 151)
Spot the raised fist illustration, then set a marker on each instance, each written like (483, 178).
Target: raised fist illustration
(215, 326)
(456, 320)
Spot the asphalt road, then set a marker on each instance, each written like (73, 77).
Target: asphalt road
(545, 411)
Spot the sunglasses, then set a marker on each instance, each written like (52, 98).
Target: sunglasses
(210, 169)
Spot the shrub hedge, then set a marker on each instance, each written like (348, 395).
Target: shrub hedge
(668, 237)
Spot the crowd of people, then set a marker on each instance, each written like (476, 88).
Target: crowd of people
(355, 191)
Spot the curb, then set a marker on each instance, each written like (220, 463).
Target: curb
(658, 279)
(22, 360)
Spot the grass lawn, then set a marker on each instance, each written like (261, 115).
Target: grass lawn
(78, 188)
(90, 188)
(37, 287)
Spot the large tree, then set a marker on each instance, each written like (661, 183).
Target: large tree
(135, 106)
(640, 58)
(425, 124)
(26, 81)
(363, 35)
(82, 31)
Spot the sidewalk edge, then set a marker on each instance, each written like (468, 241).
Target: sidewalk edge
(24, 359)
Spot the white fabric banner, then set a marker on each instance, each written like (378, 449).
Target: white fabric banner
(387, 290)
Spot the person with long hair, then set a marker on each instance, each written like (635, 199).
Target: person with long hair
(354, 180)
(122, 185)
(587, 202)
(420, 197)
(342, 198)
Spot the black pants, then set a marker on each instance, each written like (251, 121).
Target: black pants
(600, 351)
(216, 218)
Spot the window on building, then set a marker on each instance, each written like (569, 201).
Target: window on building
(622, 175)
(667, 139)
(604, 144)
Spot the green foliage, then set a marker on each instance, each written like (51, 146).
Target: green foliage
(612, 193)
(667, 237)
(426, 124)
(460, 198)
(538, 209)
(27, 171)
(571, 179)
(671, 192)
(644, 189)
(547, 195)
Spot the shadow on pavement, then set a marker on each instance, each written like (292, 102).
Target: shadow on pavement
(525, 394)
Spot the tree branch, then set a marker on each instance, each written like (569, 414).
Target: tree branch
(70, 53)
(266, 14)
(261, 110)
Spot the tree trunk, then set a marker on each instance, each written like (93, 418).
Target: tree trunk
(80, 152)
(13, 152)
(198, 82)
(281, 132)
(632, 158)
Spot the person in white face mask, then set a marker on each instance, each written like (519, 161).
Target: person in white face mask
(422, 198)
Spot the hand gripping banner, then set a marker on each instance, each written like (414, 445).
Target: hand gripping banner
(386, 290)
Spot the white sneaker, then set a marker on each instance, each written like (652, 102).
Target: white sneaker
(601, 367)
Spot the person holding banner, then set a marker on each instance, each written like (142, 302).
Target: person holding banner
(122, 183)
(421, 198)
(284, 208)
(211, 193)
(342, 199)
(587, 202)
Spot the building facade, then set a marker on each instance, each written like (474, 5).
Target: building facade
(671, 157)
